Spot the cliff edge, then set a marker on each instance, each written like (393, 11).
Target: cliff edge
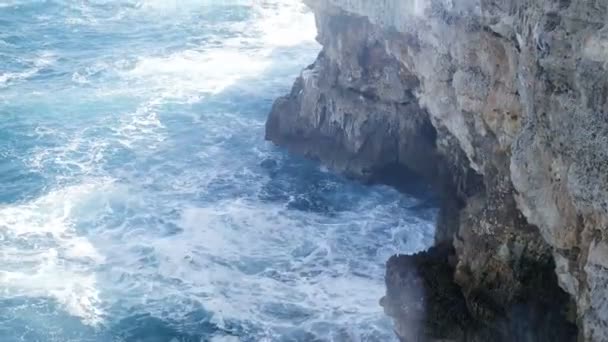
(502, 106)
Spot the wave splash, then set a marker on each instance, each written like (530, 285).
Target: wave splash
(43, 255)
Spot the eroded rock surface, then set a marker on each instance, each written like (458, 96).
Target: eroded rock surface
(502, 106)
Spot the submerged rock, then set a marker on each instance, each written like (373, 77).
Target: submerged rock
(501, 106)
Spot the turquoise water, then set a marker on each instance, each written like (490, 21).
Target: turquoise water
(138, 200)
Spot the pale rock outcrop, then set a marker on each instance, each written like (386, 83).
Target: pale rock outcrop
(502, 106)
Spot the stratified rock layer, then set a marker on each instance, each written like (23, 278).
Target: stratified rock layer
(502, 106)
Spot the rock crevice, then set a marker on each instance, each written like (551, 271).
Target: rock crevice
(501, 106)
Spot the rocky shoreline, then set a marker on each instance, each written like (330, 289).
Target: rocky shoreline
(500, 105)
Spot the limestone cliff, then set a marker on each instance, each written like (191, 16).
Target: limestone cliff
(502, 106)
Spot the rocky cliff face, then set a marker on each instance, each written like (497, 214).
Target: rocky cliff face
(502, 106)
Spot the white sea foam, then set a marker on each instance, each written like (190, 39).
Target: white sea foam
(10, 3)
(79, 155)
(79, 78)
(224, 339)
(83, 152)
(190, 73)
(286, 25)
(37, 63)
(172, 6)
(5, 78)
(5, 43)
(246, 256)
(42, 235)
(193, 73)
(142, 126)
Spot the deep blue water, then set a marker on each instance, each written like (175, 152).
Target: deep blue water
(138, 200)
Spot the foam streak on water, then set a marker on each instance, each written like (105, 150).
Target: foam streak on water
(138, 200)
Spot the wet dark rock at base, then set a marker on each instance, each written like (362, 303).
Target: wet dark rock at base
(427, 305)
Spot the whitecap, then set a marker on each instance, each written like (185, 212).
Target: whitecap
(79, 78)
(5, 43)
(142, 127)
(42, 234)
(190, 73)
(37, 63)
(9, 77)
(285, 24)
(44, 59)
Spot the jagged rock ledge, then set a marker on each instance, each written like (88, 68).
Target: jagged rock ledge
(501, 106)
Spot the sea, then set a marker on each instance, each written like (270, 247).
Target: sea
(139, 201)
